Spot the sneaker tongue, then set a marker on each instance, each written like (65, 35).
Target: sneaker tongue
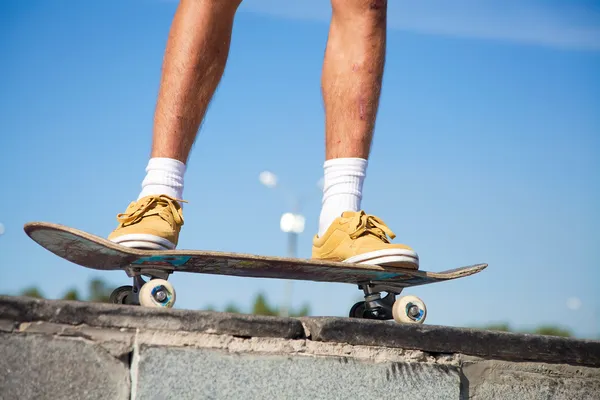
(348, 214)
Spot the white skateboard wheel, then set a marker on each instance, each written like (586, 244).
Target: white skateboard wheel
(409, 309)
(157, 293)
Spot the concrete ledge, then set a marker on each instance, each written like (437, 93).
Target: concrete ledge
(66, 349)
(439, 339)
(430, 338)
(24, 309)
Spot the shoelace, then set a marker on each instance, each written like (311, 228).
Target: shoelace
(370, 224)
(138, 213)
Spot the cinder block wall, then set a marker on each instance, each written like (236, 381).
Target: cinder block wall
(75, 350)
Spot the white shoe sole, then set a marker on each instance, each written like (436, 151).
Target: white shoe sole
(144, 241)
(399, 257)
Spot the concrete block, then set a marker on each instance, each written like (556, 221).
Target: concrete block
(44, 367)
(529, 381)
(186, 373)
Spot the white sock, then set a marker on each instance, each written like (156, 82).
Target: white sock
(342, 188)
(163, 176)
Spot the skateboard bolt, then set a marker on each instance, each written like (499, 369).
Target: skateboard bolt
(160, 295)
(413, 311)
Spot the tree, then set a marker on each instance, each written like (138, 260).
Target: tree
(262, 308)
(71, 294)
(32, 292)
(547, 330)
(303, 312)
(552, 331)
(99, 291)
(503, 327)
(232, 308)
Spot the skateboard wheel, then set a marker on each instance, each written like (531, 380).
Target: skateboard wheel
(122, 295)
(409, 309)
(157, 293)
(357, 310)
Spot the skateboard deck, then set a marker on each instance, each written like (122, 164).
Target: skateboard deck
(98, 253)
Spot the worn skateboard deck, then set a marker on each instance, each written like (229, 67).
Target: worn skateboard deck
(95, 252)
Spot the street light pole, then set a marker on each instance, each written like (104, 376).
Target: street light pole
(292, 244)
(291, 223)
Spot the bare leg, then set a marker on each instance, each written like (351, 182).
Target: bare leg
(195, 59)
(352, 75)
(351, 85)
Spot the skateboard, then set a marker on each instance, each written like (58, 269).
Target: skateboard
(95, 252)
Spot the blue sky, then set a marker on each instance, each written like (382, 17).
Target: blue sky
(486, 148)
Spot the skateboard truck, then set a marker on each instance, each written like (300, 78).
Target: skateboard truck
(157, 291)
(375, 305)
(404, 309)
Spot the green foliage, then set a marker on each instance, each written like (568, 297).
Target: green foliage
(552, 331)
(303, 312)
(262, 308)
(541, 330)
(498, 327)
(71, 294)
(32, 292)
(98, 291)
(232, 308)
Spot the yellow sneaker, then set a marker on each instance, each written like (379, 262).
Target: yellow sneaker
(152, 222)
(357, 237)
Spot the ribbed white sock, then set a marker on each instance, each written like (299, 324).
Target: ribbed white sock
(342, 188)
(163, 176)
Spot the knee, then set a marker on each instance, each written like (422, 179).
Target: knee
(359, 7)
(231, 4)
(234, 3)
(220, 4)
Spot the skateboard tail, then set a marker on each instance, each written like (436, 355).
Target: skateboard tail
(94, 252)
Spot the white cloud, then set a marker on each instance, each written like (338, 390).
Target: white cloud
(535, 22)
